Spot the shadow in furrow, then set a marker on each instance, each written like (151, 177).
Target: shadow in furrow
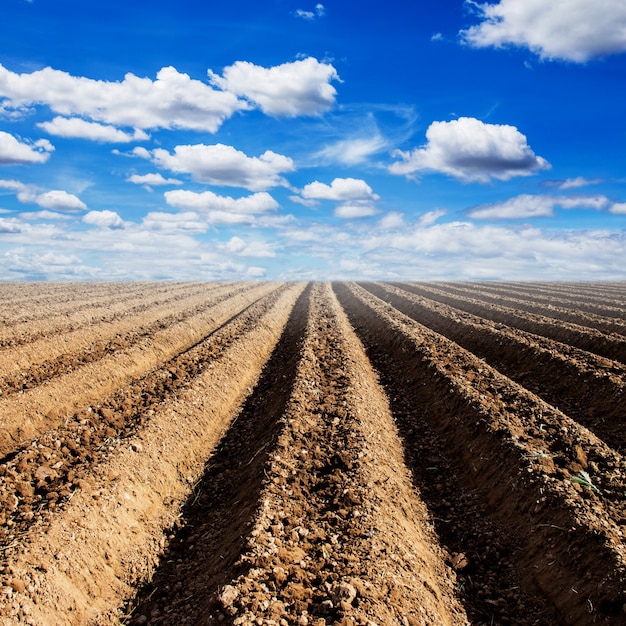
(586, 395)
(489, 585)
(203, 551)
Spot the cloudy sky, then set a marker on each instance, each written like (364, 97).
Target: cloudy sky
(287, 140)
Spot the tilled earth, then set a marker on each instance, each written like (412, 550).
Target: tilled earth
(285, 453)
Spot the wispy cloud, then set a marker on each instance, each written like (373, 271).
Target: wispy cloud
(319, 11)
(528, 205)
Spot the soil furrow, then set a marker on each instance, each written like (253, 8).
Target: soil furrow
(72, 301)
(607, 293)
(26, 368)
(609, 345)
(607, 308)
(21, 337)
(18, 298)
(589, 389)
(340, 536)
(548, 484)
(46, 473)
(79, 566)
(25, 415)
(203, 549)
(614, 324)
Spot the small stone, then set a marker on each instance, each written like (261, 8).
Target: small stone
(343, 592)
(228, 596)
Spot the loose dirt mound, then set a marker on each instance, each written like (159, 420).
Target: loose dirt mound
(275, 454)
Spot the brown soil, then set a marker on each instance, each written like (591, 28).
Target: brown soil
(346, 454)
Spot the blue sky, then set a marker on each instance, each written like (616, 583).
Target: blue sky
(291, 140)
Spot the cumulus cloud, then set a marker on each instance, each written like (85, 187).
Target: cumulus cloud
(288, 90)
(10, 225)
(77, 128)
(224, 165)
(15, 152)
(257, 203)
(355, 210)
(58, 200)
(619, 208)
(103, 219)
(152, 180)
(527, 205)
(570, 30)
(236, 245)
(339, 189)
(471, 150)
(173, 100)
(391, 221)
(188, 221)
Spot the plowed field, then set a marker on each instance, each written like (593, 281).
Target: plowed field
(290, 453)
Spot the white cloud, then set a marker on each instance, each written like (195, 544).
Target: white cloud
(14, 185)
(353, 151)
(236, 245)
(619, 208)
(288, 90)
(320, 10)
(306, 15)
(257, 203)
(173, 100)
(14, 152)
(255, 271)
(171, 222)
(44, 215)
(571, 30)
(80, 129)
(579, 181)
(103, 219)
(430, 217)
(391, 221)
(224, 165)
(355, 210)
(152, 180)
(58, 200)
(339, 189)
(10, 225)
(527, 205)
(584, 202)
(471, 150)
(519, 207)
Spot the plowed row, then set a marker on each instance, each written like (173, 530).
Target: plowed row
(282, 453)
